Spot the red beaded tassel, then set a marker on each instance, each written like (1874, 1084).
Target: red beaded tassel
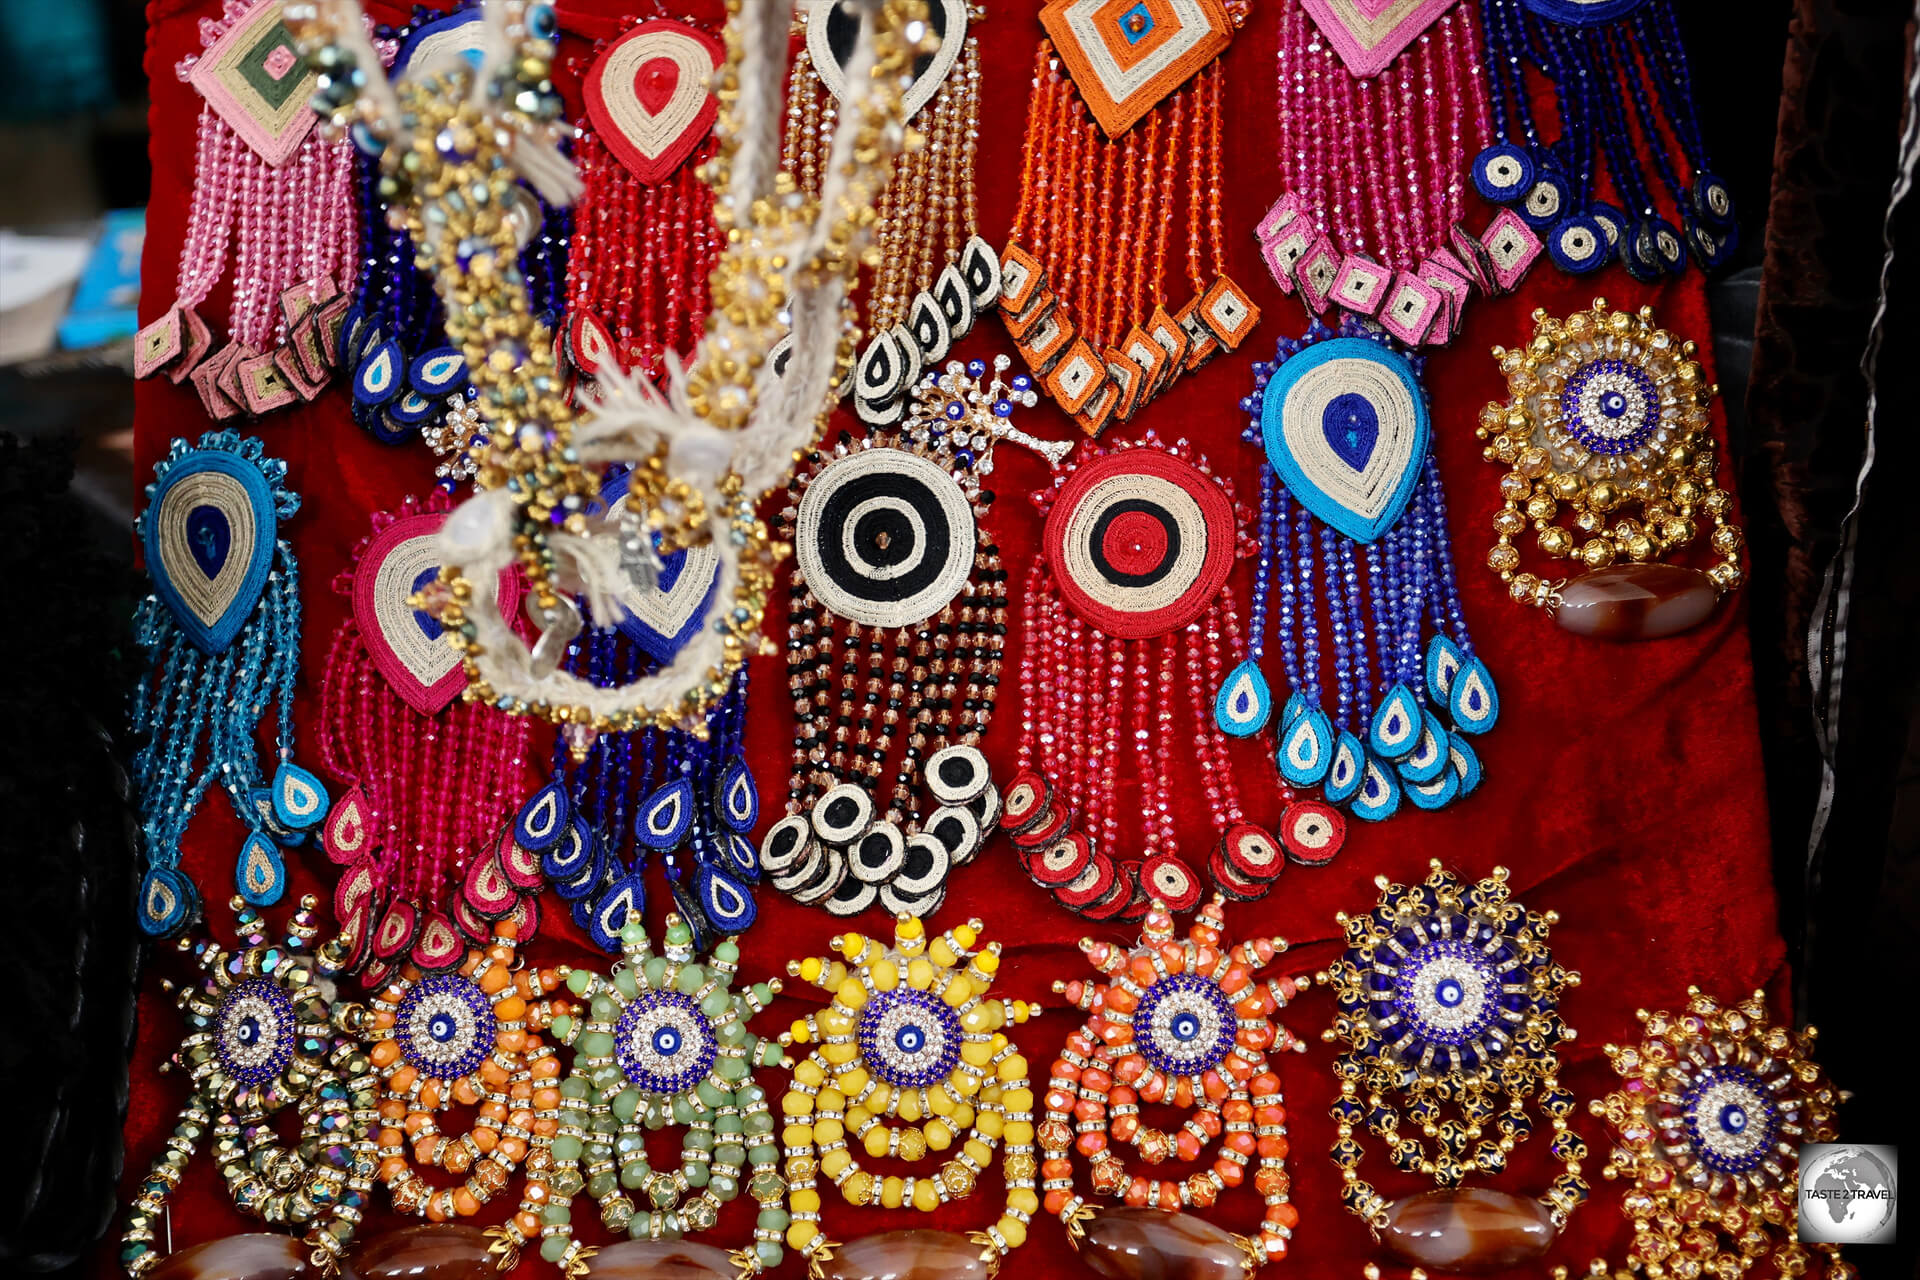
(432, 779)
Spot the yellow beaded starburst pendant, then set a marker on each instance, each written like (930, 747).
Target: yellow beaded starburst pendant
(908, 1062)
(1717, 1102)
(264, 1037)
(1605, 434)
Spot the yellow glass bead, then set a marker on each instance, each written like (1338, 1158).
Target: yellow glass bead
(858, 1188)
(1018, 1132)
(964, 935)
(892, 1192)
(876, 1141)
(877, 1098)
(800, 1234)
(804, 1200)
(1017, 1099)
(797, 1135)
(925, 1198)
(840, 1053)
(810, 968)
(826, 1131)
(1024, 1200)
(988, 962)
(833, 1022)
(1013, 1067)
(909, 1106)
(976, 1053)
(830, 1100)
(979, 1152)
(852, 994)
(796, 1104)
(990, 1124)
(962, 1117)
(885, 976)
(977, 1020)
(940, 1101)
(920, 973)
(810, 1074)
(943, 955)
(909, 929)
(851, 1081)
(852, 945)
(958, 991)
(798, 1032)
(1013, 1231)
(835, 1163)
(964, 1083)
(939, 1135)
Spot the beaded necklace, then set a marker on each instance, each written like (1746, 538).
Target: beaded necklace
(1127, 603)
(896, 572)
(1083, 279)
(1717, 1104)
(1449, 1000)
(1375, 128)
(265, 180)
(1353, 530)
(936, 275)
(1183, 1024)
(468, 1037)
(662, 1041)
(264, 1037)
(646, 237)
(1624, 97)
(222, 636)
(1609, 416)
(910, 1035)
(428, 776)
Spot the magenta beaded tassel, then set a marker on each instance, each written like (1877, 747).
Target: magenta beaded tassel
(422, 832)
(271, 189)
(1375, 127)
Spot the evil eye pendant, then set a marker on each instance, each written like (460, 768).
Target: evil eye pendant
(1578, 245)
(1547, 200)
(1244, 703)
(1713, 201)
(299, 800)
(1503, 173)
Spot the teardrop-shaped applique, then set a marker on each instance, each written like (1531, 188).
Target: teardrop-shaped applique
(377, 380)
(881, 373)
(520, 865)
(260, 805)
(487, 889)
(929, 327)
(439, 372)
(358, 888)
(1294, 707)
(1378, 796)
(1343, 773)
(736, 800)
(980, 266)
(1465, 762)
(1306, 748)
(299, 798)
(574, 862)
(356, 930)
(438, 948)
(543, 819)
(346, 837)
(1443, 789)
(1428, 759)
(527, 916)
(473, 926)
(410, 408)
(624, 900)
(1244, 702)
(665, 816)
(260, 876)
(740, 858)
(589, 344)
(209, 533)
(955, 300)
(1396, 725)
(167, 902)
(727, 905)
(1474, 702)
(1444, 661)
(396, 930)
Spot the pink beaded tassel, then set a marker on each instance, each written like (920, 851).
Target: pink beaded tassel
(432, 780)
(266, 182)
(1375, 170)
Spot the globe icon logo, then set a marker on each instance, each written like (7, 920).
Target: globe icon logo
(1847, 1193)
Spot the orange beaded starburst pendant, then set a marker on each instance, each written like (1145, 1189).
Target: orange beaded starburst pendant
(469, 1038)
(1184, 1023)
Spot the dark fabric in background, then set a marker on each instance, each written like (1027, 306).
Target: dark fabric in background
(1622, 785)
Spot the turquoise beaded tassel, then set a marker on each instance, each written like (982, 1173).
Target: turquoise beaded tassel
(222, 635)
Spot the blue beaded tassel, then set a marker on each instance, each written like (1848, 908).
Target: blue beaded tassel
(222, 635)
(1383, 685)
(1622, 88)
(406, 376)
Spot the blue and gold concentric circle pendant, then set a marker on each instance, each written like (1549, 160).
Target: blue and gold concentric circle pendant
(222, 635)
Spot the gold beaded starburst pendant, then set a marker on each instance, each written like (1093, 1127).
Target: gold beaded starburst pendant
(1449, 1022)
(1715, 1105)
(1611, 463)
(264, 1037)
(909, 1062)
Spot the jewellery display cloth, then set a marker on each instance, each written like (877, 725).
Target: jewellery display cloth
(1624, 788)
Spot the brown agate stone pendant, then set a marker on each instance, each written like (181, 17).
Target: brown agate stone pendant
(1636, 602)
(1467, 1230)
(258, 1255)
(662, 1260)
(441, 1252)
(1153, 1244)
(917, 1254)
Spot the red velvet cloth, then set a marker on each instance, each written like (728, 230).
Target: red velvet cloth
(1623, 784)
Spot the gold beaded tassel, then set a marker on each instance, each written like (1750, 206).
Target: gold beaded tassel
(1609, 454)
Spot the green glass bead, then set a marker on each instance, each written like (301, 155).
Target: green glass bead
(573, 1087)
(715, 1004)
(554, 1248)
(768, 1252)
(577, 981)
(762, 993)
(624, 1104)
(601, 1184)
(634, 1176)
(710, 1095)
(566, 1148)
(728, 952)
(679, 934)
(604, 1009)
(767, 1154)
(555, 1214)
(596, 1044)
(563, 1028)
(695, 1174)
(692, 977)
(624, 981)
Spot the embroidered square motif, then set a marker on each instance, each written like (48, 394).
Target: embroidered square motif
(1277, 219)
(1472, 256)
(1202, 344)
(199, 339)
(255, 79)
(1282, 254)
(1412, 310)
(1022, 279)
(1164, 329)
(1128, 379)
(1511, 249)
(1229, 312)
(1361, 285)
(1043, 345)
(204, 380)
(1126, 55)
(1021, 325)
(1100, 410)
(1146, 351)
(159, 344)
(329, 320)
(1369, 34)
(228, 379)
(1079, 374)
(1315, 273)
(263, 386)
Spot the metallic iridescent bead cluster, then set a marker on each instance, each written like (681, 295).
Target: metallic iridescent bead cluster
(263, 1037)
